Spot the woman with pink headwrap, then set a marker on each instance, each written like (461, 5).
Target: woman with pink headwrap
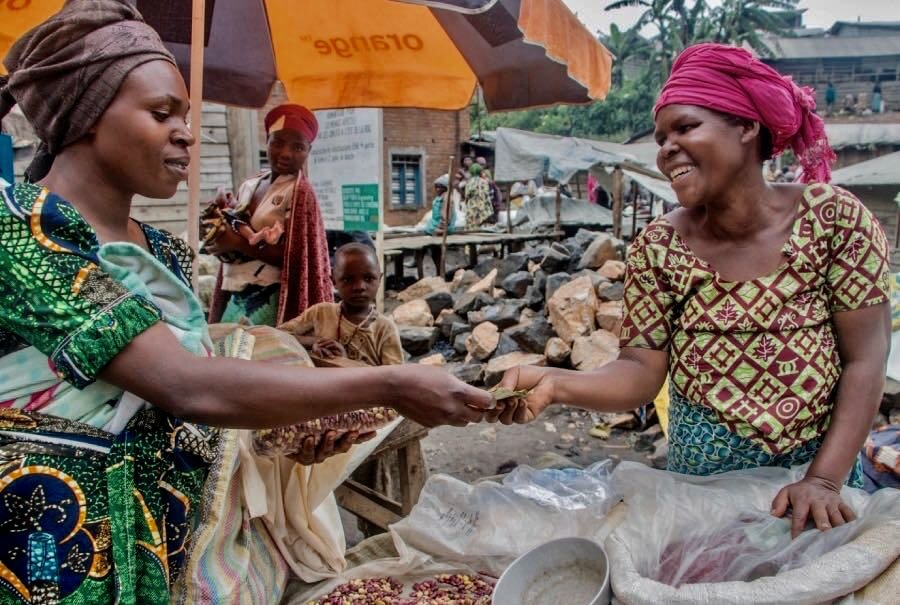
(766, 304)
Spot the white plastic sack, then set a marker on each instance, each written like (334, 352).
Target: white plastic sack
(712, 540)
(488, 525)
(461, 528)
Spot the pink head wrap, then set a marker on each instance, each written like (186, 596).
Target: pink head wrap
(731, 80)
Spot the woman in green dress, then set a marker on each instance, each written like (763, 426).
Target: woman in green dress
(105, 360)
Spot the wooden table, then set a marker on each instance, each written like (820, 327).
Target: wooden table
(400, 245)
(377, 509)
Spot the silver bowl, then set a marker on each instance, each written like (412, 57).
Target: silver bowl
(569, 571)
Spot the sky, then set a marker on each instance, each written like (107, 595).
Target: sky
(820, 13)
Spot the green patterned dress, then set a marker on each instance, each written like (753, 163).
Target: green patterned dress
(754, 365)
(87, 517)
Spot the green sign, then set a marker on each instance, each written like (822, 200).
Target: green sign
(360, 207)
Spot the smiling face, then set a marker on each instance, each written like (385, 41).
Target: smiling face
(287, 151)
(356, 277)
(703, 153)
(141, 141)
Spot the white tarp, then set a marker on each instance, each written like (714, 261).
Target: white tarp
(884, 170)
(521, 156)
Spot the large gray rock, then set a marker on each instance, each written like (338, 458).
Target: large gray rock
(458, 328)
(540, 281)
(532, 338)
(506, 345)
(553, 284)
(471, 373)
(594, 351)
(516, 284)
(471, 301)
(438, 301)
(423, 288)
(535, 254)
(446, 323)
(585, 237)
(483, 341)
(611, 291)
(498, 365)
(513, 263)
(604, 248)
(572, 308)
(557, 351)
(504, 314)
(414, 313)
(556, 259)
(486, 266)
(596, 278)
(460, 341)
(417, 340)
(534, 298)
(463, 280)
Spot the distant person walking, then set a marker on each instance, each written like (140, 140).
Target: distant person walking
(876, 98)
(830, 98)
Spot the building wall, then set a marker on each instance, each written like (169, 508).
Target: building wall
(434, 134)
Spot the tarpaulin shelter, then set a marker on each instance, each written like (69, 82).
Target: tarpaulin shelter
(522, 155)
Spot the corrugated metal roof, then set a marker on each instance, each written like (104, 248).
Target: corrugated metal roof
(833, 47)
(884, 170)
(862, 135)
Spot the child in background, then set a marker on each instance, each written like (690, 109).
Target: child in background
(352, 328)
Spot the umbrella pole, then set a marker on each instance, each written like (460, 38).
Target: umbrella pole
(198, 12)
(508, 212)
(617, 202)
(634, 208)
(447, 212)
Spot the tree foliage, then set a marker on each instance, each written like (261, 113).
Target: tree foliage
(642, 63)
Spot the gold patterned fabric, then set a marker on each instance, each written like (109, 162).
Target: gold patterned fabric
(761, 353)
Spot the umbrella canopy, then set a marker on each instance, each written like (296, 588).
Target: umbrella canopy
(376, 53)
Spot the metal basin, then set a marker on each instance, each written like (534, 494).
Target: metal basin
(569, 571)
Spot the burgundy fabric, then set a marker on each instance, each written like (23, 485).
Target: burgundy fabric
(731, 80)
(296, 117)
(306, 272)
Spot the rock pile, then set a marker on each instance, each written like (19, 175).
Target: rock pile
(558, 304)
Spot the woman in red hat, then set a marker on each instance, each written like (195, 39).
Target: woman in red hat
(276, 252)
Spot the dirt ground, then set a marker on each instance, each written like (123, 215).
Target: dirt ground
(486, 449)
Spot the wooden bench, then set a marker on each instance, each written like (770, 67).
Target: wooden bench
(398, 247)
(378, 509)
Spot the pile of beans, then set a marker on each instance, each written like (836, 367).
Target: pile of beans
(444, 589)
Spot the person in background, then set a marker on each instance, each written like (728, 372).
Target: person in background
(108, 383)
(352, 328)
(496, 194)
(477, 199)
(766, 305)
(443, 208)
(830, 98)
(269, 283)
(876, 98)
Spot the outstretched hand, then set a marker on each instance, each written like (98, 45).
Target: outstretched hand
(432, 397)
(815, 498)
(330, 445)
(520, 410)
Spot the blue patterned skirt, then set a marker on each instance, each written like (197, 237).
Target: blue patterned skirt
(701, 445)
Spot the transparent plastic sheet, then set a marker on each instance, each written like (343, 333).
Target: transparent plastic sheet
(565, 489)
(457, 527)
(713, 539)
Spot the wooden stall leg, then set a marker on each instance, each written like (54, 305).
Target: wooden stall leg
(398, 266)
(413, 474)
(472, 249)
(420, 262)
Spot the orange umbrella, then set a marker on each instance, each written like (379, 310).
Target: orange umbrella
(375, 53)
(366, 53)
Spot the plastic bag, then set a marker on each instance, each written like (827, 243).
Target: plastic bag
(567, 488)
(711, 535)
